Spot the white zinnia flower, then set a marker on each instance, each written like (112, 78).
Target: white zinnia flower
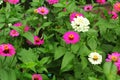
(1, 2)
(80, 24)
(95, 58)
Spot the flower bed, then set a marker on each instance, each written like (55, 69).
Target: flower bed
(59, 40)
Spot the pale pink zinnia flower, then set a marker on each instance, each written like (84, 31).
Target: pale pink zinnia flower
(14, 33)
(7, 50)
(36, 77)
(101, 1)
(52, 1)
(71, 37)
(74, 15)
(13, 1)
(117, 6)
(38, 41)
(113, 57)
(18, 24)
(42, 10)
(113, 14)
(88, 7)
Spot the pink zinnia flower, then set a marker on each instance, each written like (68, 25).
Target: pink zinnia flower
(74, 15)
(43, 10)
(88, 8)
(117, 6)
(52, 1)
(113, 57)
(7, 50)
(38, 41)
(13, 1)
(18, 24)
(101, 1)
(36, 77)
(26, 28)
(114, 15)
(14, 33)
(71, 37)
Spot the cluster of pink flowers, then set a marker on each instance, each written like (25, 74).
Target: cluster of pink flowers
(42, 10)
(7, 50)
(113, 14)
(36, 77)
(74, 15)
(71, 37)
(12, 1)
(101, 1)
(52, 1)
(114, 57)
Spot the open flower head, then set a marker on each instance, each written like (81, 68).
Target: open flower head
(101, 1)
(52, 1)
(36, 77)
(74, 15)
(113, 57)
(13, 1)
(42, 10)
(88, 7)
(7, 50)
(116, 6)
(95, 58)
(17, 24)
(113, 14)
(71, 37)
(38, 41)
(14, 33)
(80, 24)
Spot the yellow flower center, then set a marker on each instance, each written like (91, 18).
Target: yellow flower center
(114, 58)
(118, 5)
(71, 36)
(6, 47)
(36, 78)
(42, 10)
(76, 15)
(95, 57)
(37, 40)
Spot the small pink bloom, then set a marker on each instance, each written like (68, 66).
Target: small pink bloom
(114, 15)
(117, 6)
(38, 41)
(43, 10)
(113, 57)
(36, 77)
(52, 1)
(88, 8)
(14, 33)
(7, 50)
(26, 28)
(71, 37)
(13, 1)
(18, 24)
(74, 15)
(101, 1)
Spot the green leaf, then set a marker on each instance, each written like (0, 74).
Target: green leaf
(67, 59)
(59, 5)
(84, 62)
(4, 75)
(92, 43)
(11, 75)
(75, 48)
(46, 24)
(59, 52)
(29, 36)
(44, 60)
(92, 78)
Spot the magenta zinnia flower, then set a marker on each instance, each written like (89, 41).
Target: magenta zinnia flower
(7, 50)
(36, 77)
(18, 24)
(43, 10)
(88, 8)
(101, 1)
(74, 15)
(38, 41)
(117, 6)
(13, 1)
(113, 14)
(113, 57)
(71, 37)
(52, 1)
(14, 33)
